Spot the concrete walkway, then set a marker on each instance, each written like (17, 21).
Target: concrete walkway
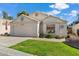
(51, 40)
(9, 41)
(6, 42)
(11, 52)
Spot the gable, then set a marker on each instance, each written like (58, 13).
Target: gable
(39, 16)
(51, 19)
(24, 18)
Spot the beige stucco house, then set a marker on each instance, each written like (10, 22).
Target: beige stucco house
(5, 26)
(36, 24)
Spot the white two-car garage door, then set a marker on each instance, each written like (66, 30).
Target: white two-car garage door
(25, 29)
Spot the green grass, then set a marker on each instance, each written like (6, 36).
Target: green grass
(45, 48)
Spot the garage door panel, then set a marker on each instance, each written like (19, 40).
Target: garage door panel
(28, 29)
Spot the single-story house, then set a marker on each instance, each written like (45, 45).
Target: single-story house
(5, 26)
(38, 23)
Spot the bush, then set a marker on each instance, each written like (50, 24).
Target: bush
(1, 34)
(68, 36)
(54, 36)
(59, 37)
(6, 34)
(41, 35)
(50, 36)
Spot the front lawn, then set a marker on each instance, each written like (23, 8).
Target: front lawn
(45, 48)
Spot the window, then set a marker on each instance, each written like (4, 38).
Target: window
(51, 28)
(61, 26)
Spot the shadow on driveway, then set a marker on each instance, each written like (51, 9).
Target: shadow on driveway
(73, 43)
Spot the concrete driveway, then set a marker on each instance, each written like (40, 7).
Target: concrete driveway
(6, 42)
(9, 41)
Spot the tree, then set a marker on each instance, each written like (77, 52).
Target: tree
(76, 21)
(22, 12)
(5, 16)
(10, 17)
(77, 16)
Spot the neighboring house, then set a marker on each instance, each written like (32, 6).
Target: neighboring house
(5, 26)
(38, 23)
(75, 28)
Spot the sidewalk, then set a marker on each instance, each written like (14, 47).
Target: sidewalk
(9, 41)
(11, 52)
(51, 40)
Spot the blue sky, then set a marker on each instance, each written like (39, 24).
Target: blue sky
(65, 11)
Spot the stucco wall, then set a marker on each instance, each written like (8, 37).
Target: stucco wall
(2, 26)
(61, 30)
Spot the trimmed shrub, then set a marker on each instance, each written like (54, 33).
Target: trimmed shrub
(59, 37)
(50, 36)
(41, 35)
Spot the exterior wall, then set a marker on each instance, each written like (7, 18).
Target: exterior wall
(61, 31)
(2, 26)
(75, 27)
(26, 27)
(44, 28)
(41, 28)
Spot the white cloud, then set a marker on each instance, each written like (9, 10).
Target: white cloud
(74, 13)
(59, 6)
(61, 17)
(53, 12)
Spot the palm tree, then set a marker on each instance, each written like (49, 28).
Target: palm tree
(22, 12)
(5, 16)
(10, 17)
